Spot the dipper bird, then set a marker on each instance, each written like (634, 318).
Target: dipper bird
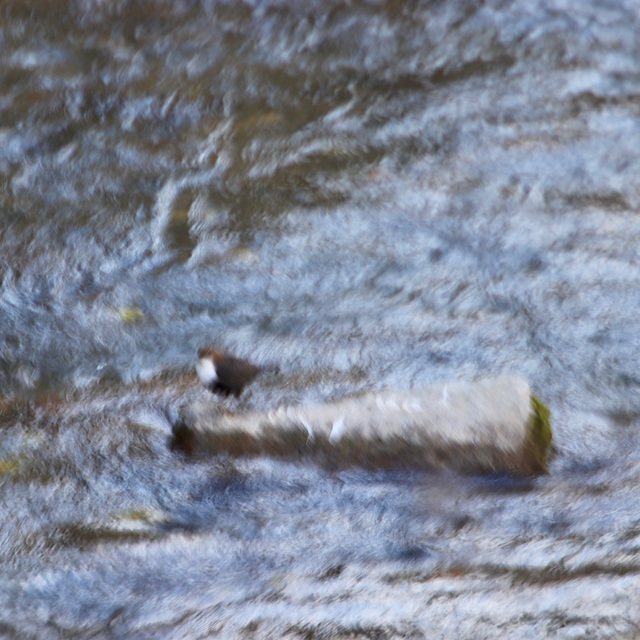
(222, 373)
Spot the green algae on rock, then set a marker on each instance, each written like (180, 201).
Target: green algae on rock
(540, 436)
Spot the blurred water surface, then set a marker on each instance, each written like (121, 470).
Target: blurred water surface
(371, 195)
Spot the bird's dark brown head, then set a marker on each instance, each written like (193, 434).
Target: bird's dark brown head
(209, 352)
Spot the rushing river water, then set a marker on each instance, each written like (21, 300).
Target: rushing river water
(369, 195)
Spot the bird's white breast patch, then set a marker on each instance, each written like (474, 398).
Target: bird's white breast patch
(206, 371)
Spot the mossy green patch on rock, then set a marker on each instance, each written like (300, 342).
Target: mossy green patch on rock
(539, 435)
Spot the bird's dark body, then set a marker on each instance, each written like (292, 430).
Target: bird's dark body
(233, 375)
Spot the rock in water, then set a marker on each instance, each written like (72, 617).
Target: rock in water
(488, 425)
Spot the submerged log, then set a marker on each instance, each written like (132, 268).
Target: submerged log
(489, 425)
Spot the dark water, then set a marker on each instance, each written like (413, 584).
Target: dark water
(371, 195)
